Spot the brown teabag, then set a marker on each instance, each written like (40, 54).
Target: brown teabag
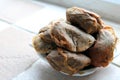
(41, 46)
(88, 21)
(67, 62)
(43, 42)
(45, 34)
(101, 53)
(70, 37)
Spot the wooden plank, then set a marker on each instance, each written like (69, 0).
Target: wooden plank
(4, 25)
(13, 10)
(15, 53)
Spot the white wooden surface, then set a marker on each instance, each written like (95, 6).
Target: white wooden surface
(13, 10)
(41, 70)
(31, 18)
(15, 53)
(4, 25)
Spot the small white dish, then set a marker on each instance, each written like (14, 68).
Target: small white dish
(84, 72)
(90, 70)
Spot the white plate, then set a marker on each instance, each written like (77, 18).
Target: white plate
(83, 72)
(91, 70)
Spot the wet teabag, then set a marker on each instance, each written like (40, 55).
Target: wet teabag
(67, 62)
(70, 37)
(101, 53)
(88, 21)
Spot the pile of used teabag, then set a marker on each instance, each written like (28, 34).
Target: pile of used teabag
(74, 44)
